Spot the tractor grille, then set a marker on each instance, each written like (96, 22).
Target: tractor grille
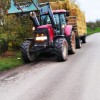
(44, 32)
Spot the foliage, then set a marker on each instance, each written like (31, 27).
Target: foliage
(92, 31)
(17, 29)
(94, 24)
(14, 29)
(93, 27)
(3, 45)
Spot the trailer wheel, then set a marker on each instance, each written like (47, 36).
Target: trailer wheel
(61, 48)
(83, 39)
(27, 54)
(78, 43)
(72, 43)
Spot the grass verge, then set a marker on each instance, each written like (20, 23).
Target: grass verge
(9, 62)
(92, 31)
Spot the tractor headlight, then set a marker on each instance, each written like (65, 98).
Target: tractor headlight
(33, 28)
(41, 38)
(63, 26)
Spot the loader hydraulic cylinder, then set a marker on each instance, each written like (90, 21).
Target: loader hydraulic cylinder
(34, 19)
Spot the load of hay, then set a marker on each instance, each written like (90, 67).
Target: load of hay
(76, 18)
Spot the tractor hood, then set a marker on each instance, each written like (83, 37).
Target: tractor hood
(50, 30)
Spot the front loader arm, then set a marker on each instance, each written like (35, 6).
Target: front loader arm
(31, 6)
(17, 7)
(46, 8)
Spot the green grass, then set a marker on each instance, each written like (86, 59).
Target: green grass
(7, 63)
(92, 31)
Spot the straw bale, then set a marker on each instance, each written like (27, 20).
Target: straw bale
(55, 5)
(61, 5)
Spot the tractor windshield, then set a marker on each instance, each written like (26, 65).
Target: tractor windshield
(58, 18)
(45, 19)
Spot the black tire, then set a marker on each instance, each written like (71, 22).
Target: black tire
(72, 44)
(27, 55)
(83, 38)
(78, 43)
(61, 49)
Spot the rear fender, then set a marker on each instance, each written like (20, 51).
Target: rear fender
(57, 37)
(68, 30)
(60, 36)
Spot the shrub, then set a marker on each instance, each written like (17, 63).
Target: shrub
(3, 45)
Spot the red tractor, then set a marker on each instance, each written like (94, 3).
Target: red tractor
(51, 32)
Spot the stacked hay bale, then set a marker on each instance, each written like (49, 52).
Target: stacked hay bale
(76, 18)
(65, 4)
(80, 24)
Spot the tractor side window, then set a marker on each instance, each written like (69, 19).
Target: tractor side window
(63, 20)
(57, 22)
(56, 18)
(45, 19)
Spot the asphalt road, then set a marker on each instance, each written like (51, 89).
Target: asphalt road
(76, 79)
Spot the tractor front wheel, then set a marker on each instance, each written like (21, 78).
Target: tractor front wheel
(78, 43)
(26, 49)
(61, 48)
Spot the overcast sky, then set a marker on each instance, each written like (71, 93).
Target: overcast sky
(91, 9)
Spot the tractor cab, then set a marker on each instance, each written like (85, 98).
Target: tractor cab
(59, 19)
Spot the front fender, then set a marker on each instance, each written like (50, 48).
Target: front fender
(68, 30)
(32, 39)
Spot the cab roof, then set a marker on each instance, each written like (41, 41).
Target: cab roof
(59, 11)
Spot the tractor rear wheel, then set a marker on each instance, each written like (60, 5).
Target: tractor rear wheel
(72, 43)
(26, 49)
(61, 48)
(78, 43)
(83, 39)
